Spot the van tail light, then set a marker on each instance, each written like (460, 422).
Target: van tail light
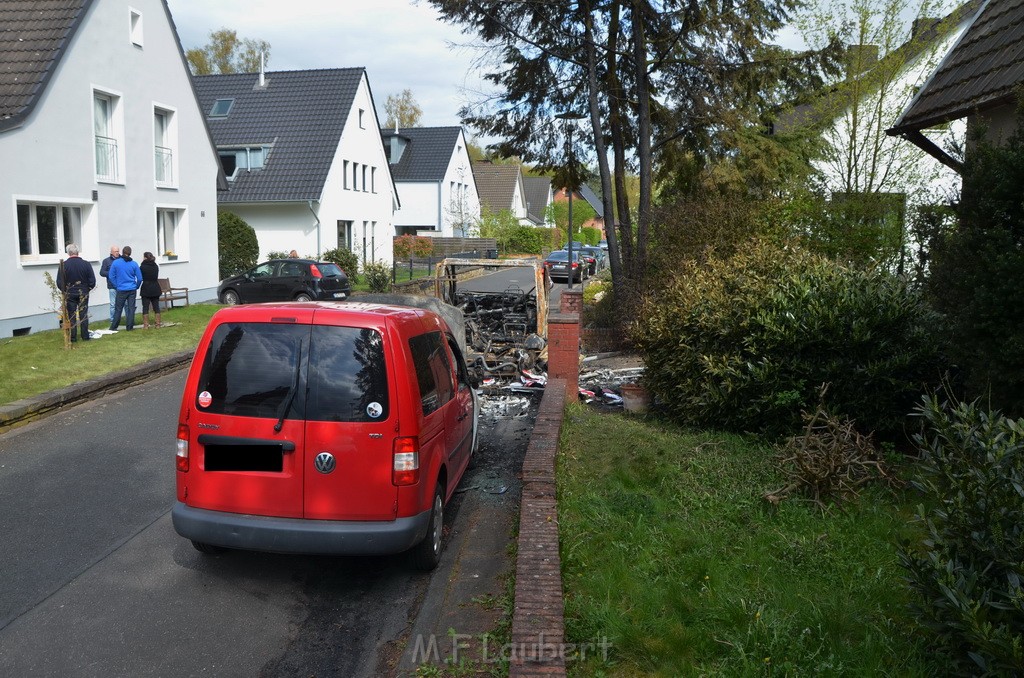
(406, 468)
(181, 457)
(315, 272)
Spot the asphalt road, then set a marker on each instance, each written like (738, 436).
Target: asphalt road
(522, 278)
(97, 583)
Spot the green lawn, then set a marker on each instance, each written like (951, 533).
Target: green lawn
(39, 362)
(670, 553)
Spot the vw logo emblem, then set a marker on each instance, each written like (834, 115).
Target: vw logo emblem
(324, 462)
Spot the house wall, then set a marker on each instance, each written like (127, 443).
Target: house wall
(282, 227)
(998, 124)
(420, 206)
(371, 211)
(519, 204)
(899, 166)
(460, 210)
(50, 160)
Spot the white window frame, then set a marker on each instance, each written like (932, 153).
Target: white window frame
(176, 243)
(108, 147)
(165, 151)
(81, 233)
(135, 26)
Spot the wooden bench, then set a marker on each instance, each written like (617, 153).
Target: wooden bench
(168, 294)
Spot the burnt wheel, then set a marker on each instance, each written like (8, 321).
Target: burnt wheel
(427, 554)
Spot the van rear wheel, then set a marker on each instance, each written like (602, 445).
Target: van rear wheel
(208, 549)
(427, 554)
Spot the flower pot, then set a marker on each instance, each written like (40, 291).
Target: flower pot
(172, 257)
(635, 398)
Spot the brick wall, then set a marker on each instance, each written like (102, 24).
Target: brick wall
(538, 623)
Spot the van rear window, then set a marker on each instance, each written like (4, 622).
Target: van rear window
(322, 373)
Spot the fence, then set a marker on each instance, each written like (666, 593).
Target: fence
(466, 248)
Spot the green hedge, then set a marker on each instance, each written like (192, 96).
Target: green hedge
(745, 343)
(238, 247)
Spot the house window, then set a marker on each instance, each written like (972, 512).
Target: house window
(344, 174)
(355, 176)
(235, 160)
(165, 142)
(221, 108)
(345, 235)
(108, 127)
(373, 179)
(45, 228)
(364, 178)
(362, 114)
(169, 235)
(135, 26)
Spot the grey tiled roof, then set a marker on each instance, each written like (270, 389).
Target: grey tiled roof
(538, 190)
(299, 114)
(981, 71)
(33, 37)
(427, 155)
(496, 184)
(591, 196)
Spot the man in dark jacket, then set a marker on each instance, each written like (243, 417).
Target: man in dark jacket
(76, 279)
(127, 279)
(115, 253)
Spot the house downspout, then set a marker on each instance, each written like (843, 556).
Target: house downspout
(319, 243)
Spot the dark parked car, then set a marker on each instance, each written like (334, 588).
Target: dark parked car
(557, 266)
(597, 254)
(286, 280)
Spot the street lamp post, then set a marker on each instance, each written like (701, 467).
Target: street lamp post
(571, 116)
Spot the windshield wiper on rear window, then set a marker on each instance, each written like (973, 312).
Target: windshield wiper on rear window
(291, 392)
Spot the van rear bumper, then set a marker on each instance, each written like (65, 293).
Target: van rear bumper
(296, 535)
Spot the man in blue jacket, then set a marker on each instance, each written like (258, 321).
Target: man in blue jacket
(127, 278)
(76, 279)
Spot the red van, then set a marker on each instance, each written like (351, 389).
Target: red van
(323, 428)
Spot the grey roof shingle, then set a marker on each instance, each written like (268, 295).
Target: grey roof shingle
(496, 184)
(538, 190)
(427, 155)
(981, 71)
(33, 37)
(300, 115)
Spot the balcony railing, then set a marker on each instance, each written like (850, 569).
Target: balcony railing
(164, 165)
(106, 159)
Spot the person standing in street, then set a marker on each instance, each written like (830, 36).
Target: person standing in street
(127, 279)
(76, 279)
(150, 291)
(115, 253)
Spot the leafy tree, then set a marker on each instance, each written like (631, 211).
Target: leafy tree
(226, 53)
(402, 111)
(237, 244)
(650, 77)
(865, 180)
(582, 212)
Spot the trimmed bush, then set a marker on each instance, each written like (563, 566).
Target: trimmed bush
(238, 247)
(346, 259)
(968, 570)
(745, 343)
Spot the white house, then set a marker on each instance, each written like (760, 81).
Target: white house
(859, 158)
(102, 143)
(434, 177)
(501, 188)
(303, 155)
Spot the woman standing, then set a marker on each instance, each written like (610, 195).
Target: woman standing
(150, 290)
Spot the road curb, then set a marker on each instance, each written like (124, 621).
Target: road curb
(23, 411)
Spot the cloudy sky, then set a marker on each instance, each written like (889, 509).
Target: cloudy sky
(402, 44)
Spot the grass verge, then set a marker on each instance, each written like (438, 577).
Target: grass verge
(669, 552)
(38, 363)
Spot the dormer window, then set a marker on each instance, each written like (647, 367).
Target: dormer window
(221, 108)
(236, 160)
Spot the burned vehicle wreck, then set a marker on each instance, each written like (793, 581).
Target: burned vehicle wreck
(507, 330)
